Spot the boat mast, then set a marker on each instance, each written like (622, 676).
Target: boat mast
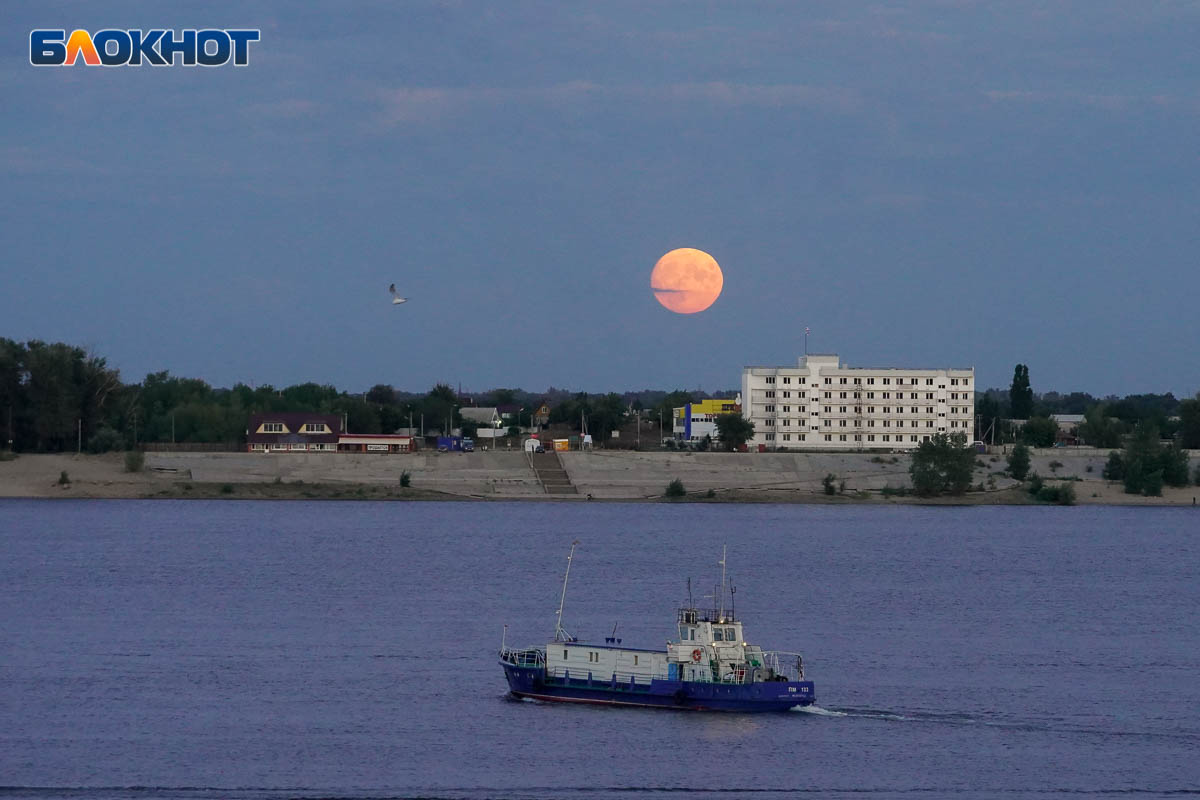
(559, 634)
(722, 617)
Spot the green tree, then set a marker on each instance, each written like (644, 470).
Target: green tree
(942, 465)
(1020, 394)
(1039, 432)
(1098, 429)
(1114, 469)
(1189, 423)
(382, 394)
(1018, 462)
(734, 430)
(1149, 464)
(675, 489)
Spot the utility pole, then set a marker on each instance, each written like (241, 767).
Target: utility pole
(79, 436)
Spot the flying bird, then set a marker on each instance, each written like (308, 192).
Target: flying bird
(396, 299)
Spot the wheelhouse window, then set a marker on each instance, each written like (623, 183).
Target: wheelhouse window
(718, 635)
(730, 635)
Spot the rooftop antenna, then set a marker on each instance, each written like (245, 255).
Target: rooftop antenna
(559, 634)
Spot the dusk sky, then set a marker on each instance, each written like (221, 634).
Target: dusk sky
(930, 184)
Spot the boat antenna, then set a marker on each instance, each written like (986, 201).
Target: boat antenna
(691, 602)
(559, 634)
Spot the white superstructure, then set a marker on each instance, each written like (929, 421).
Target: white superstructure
(822, 404)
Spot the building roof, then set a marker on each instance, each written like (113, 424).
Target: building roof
(293, 421)
(485, 414)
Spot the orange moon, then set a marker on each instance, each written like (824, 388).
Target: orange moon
(686, 280)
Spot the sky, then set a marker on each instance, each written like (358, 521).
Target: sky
(922, 184)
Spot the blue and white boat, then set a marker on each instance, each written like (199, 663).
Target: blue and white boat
(709, 667)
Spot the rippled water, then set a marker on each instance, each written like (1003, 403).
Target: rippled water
(337, 649)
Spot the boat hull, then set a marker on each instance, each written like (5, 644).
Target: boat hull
(532, 682)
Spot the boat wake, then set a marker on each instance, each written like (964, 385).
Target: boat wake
(818, 711)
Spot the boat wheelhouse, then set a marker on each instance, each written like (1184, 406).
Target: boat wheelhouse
(709, 666)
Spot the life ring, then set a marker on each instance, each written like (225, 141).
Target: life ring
(697, 654)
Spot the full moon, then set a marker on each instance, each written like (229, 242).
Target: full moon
(686, 280)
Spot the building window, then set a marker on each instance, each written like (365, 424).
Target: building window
(314, 427)
(272, 427)
(785, 380)
(929, 395)
(828, 424)
(787, 437)
(858, 381)
(828, 409)
(870, 381)
(828, 437)
(769, 393)
(841, 409)
(787, 394)
(770, 437)
(887, 395)
(828, 395)
(769, 408)
(828, 381)
(842, 381)
(870, 437)
(771, 379)
(929, 381)
(887, 381)
(858, 437)
(887, 437)
(841, 437)
(801, 437)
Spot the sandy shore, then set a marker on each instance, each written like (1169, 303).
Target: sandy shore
(611, 475)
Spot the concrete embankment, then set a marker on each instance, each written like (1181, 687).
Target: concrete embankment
(602, 475)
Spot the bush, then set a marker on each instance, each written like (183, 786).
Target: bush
(828, 482)
(7, 455)
(710, 493)
(405, 479)
(105, 440)
(897, 491)
(1035, 484)
(63, 478)
(675, 489)
(135, 460)
(669, 444)
(1018, 462)
(1063, 494)
(1055, 466)
(227, 488)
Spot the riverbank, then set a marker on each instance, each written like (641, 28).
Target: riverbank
(601, 475)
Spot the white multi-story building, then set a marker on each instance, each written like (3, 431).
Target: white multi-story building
(822, 404)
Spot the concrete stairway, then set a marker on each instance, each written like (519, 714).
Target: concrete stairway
(551, 473)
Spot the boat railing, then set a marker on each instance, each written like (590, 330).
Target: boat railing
(784, 664)
(528, 657)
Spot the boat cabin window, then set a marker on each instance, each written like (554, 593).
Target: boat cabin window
(687, 633)
(564, 655)
(718, 635)
(730, 635)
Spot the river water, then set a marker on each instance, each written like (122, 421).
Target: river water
(216, 649)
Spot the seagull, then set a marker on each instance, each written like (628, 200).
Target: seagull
(396, 299)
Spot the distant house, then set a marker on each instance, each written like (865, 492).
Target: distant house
(376, 443)
(541, 414)
(1068, 428)
(293, 431)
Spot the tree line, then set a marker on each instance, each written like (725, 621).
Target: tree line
(1108, 421)
(59, 397)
